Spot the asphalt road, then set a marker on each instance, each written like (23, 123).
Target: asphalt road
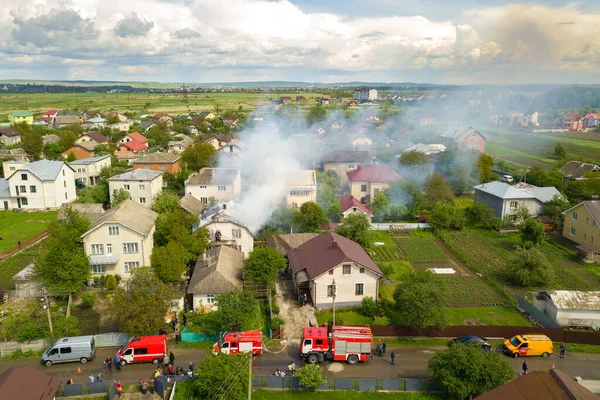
(410, 363)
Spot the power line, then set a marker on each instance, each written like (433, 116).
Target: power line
(230, 379)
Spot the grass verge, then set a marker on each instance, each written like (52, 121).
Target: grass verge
(343, 317)
(488, 316)
(340, 395)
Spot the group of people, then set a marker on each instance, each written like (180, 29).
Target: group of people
(303, 299)
(380, 349)
(145, 386)
(291, 370)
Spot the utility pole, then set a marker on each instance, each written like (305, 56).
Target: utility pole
(333, 288)
(250, 377)
(47, 307)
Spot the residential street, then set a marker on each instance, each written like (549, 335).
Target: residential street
(411, 363)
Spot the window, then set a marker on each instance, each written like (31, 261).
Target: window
(236, 233)
(375, 192)
(65, 350)
(347, 269)
(222, 188)
(584, 237)
(514, 204)
(204, 200)
(98, 269)
(318, 342)
(142, 187)
(126, 187)
(142, 200)
(351, 166)
(109, 249)
(363, 188)
(65, 183)
(140, 350)
(330, 291)
(113, 230)
(574, 216)
(210, 298)
(24, 202)
(359, 289)
(63, 172)
(331, 271)
(128, 266)
(32, 189)
(234, 344)
(592, 240)
(587, 220)
(572, 231)
(298, 192)
(23, 189)
(12, 168)
(66, 196)
(97, 249)
(361, 270)
(162, 167)
(202, 186)
(23, 177)
(130, 248)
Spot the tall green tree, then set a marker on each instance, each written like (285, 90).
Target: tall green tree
(555, 207)
(33, 144)
(445, 216)
(198, 156)
(169, 262)
(263, 266)
(436, 191)
(532, 232)
(356, 227)
(421, 300)
(164, 201)
(310, 217)
(316, 113)
(62, 263)
(415, 159)
(119, 196)
(485, 164)
(465, 371)
(380, 205)
(142, 307)
(235, 310)
(529, 268)
(480, 215)
(218, 378)
(176, 226)
(559, 151)
(311, 376)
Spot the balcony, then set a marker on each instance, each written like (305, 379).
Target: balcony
(103, 259)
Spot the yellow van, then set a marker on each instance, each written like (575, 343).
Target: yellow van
(528, 345)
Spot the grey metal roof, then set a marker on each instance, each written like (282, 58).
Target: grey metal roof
(506, 191)
(458, 135)
(219, 270)
(4, 189)
(90, 160)
(575, 300)
(137, 175)
(45, 170)
(128, 213)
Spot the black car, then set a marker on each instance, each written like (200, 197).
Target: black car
(470, 340)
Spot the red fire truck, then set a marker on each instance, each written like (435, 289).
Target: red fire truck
(240, 342)
(338, 343)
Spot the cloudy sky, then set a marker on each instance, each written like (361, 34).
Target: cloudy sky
(446, 41)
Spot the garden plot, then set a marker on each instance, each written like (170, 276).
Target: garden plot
(471, 291)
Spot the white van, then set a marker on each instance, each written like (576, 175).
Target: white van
(70, 349)
(507, 178)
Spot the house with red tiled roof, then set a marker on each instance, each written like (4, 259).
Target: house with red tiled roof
(80, 151)
(591, 121)
(131, 150)
(572, 121)
(162, 118)
(332, 264)
(365, 182)
(49, 115)
(350, 205)
(138, 137)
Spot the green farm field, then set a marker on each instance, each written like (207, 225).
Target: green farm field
(38, 103)
(20, 226)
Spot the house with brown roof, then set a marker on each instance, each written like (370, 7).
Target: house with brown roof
(365, 183)
(351, 205)
(286, 242)
(591, 121)
(80, 151)
(192, 205)
(92, 137)
(469, 139)
(217, 141)
(222, 184)
(342, 161)
(536, 385)
(131, 150)
(577, 170)
(572, 121)
(164, 162)
(219, 270)
(331, 264)
(27, 383)
(10, 136)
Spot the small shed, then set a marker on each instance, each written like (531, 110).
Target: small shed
(587, 253)
(570, 308)
(25, 284)
(548, 222)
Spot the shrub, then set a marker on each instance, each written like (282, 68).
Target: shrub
(118, 278)
(32, 330)
(102, 280)
(310, 376)
(88, 299)
(111, 282)
(96, 280)
(369, 308)
(275, 309)
(276, 323)
(380, 321)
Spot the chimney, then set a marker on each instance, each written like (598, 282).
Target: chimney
(334, 244)
(224, 206)
(358, 167)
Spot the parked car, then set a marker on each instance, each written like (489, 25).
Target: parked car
(70, 349)
(470, 339)
(507, 178)
(528, 345)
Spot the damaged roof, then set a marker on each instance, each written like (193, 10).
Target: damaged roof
(217, 271)
(575, 300)
(213, 176)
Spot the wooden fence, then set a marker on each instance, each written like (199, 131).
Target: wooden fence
(29, 242)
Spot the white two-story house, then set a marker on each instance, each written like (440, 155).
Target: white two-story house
(222, 184)
(226, 231)
(301, 187)
(121, 239)
(330, 265)
(87, 170)
(37, 185)
(142, 185)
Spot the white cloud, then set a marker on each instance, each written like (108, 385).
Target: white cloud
(251, 39)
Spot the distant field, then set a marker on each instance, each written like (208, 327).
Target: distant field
(140, 102)
(15, 226)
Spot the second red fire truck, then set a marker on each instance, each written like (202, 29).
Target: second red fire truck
(239, 342)
(338, 343)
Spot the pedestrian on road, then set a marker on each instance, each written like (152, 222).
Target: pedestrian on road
(525, 368)
(151, 386)
(143, 387)
(393, 357)
(191, 368)
(184, 320)
(384, 346)
(171, 358)
(293, 368)
(118, 362)
(91, 378)
(158, 372)
(176, 334)
(563, 350)
(100, 378)
(108, 363)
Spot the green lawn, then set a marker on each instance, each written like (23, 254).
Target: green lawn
(490, 316)
(340, 395)
(12, 265)
(343, 317)
(15, 226)
(464, 201)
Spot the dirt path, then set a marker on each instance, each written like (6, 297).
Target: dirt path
(294, 316)
(460, 268)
